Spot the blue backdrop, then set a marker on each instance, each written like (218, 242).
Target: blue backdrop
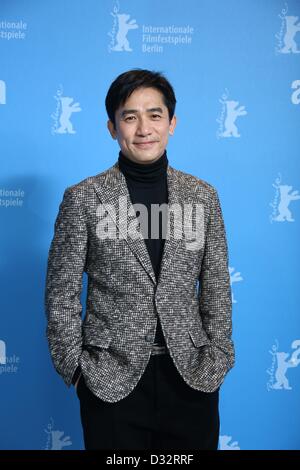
(235, 69)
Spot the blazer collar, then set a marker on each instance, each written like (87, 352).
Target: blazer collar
(110, 188)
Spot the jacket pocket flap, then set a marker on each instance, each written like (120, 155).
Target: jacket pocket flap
(198, 337)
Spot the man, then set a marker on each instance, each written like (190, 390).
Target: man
(155, 345)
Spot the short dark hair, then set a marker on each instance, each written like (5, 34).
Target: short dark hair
(122, 87)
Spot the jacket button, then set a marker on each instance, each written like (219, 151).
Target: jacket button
(148, 337)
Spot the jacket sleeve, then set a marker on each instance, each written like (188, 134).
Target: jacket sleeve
(215, 291)
(66, 264)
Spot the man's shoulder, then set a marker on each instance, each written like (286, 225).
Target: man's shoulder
(187, 181)
(194, 182)
(88, 182)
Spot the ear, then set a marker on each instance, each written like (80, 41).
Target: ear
(172, 125)
(111, 129)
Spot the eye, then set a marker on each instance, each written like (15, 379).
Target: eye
(156, 116)
(129, 118)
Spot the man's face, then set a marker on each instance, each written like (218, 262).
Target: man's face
(143, 126)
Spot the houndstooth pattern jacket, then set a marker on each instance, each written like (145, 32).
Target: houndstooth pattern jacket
(113, 342)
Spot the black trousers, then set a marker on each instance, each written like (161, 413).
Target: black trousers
(162, 412)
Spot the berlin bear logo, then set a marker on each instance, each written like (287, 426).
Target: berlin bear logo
(232, 112)
(67, 109)
(292, 27)
(124, 25)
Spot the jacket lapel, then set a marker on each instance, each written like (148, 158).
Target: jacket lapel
(113, 187)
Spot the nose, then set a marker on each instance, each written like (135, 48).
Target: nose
(143, 127)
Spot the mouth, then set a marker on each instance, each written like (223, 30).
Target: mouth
(144, 144)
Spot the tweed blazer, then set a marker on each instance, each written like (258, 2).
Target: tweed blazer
(112, 341)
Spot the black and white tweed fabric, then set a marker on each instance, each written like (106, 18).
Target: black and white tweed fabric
(113, 342)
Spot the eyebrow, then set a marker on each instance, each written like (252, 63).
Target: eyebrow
(134, 111)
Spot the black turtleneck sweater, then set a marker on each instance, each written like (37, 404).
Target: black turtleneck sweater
(147, 184)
